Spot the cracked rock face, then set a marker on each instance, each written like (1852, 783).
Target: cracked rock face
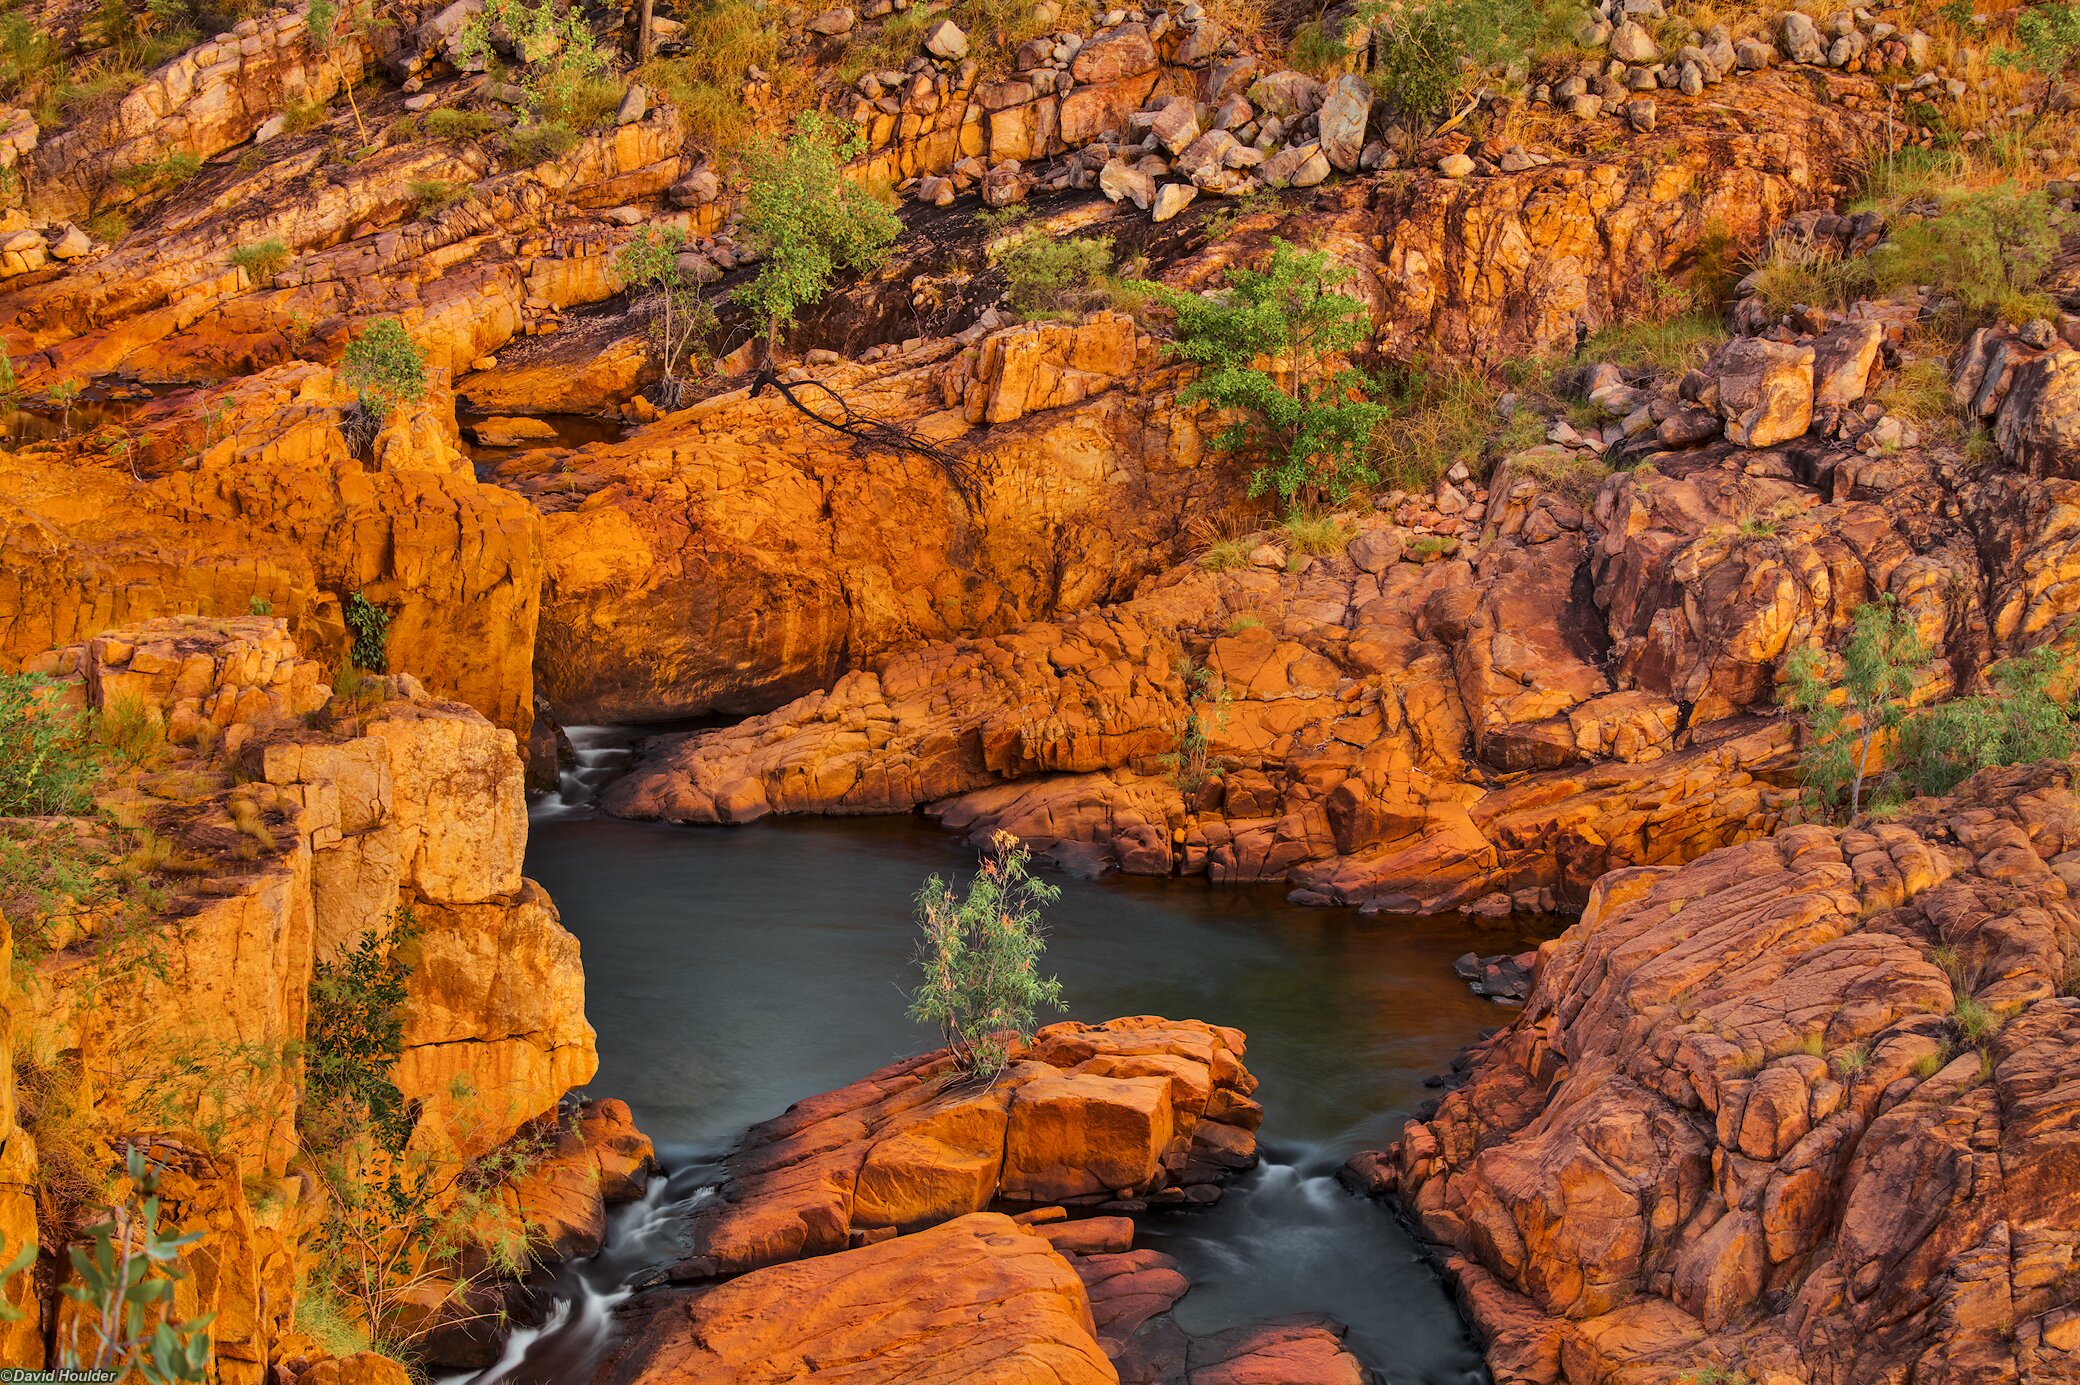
(1805, 1107)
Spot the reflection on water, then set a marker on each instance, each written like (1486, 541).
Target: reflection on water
(731, 971)
(572, 430)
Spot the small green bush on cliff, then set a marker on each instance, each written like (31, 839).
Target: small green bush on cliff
(808, 221)
(677, 317)
(980, 958)
(1051, 277)
(355, 1035)
(1310, 416)
(1848, 711)
(45, 767)
(369, 624)
(262, 259)
(1855, 710)
(560, 68)
(385, 369)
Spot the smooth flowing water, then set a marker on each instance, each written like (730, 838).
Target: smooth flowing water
(731, 971)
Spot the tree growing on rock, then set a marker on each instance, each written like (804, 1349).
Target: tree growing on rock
(807, 221)
(980, 957)
(1274, 347)
(679, 321)
(2047, 44)
(386, 370)
(1846, 717)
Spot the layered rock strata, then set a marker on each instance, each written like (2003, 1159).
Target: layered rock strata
(1806, 1109)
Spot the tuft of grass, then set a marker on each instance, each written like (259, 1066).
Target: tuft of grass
(446, 122)
(262, 260)
(109, 225)
(1314, 535)
(528, 145)
(1852, 1061)
(1929, 1064)
(302, 113)
(1225, 554)
(1974, 1022)
(430, 195)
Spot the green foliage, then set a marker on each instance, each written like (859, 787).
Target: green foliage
(262, 259)
(160, 174)
(2047, 40)
(1428, 59)
(1989, 250)
(354, 1037)
(429, 195)
(1973, 1022)
(1050, 277)
(562, 71)
(384, 367)
(980, 958)
(1271, 346)
(124, 1281)
(107, 225)
(1225, 554)
(23, 1258)
(1846, 716)
(1205, 701)
(807, 221)
(678, 318)
(537, 142)
(44, 766)
(447, 122)
(369, 624)
(259, 606)
(2019, 721)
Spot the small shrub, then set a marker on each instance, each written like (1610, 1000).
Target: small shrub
(808, 222)
(355, 1036)
(528, 145)
(384, 367)
(108, 226)
(369, 624)
(1929, 1064)
(429, 195)
(1225, 554)
(130, 1264)
(2018, 722)
(129, 730)
(1845, 718)
(262, 260)
(259, 606)
(1056, 278)
(1309, 417)
(679, 320)
(561, 68)
(1851, 1061)
(980, 958)
(44, 768)
(302, 113)
(446, 122)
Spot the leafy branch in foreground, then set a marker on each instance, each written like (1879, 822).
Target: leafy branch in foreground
(124, 1281)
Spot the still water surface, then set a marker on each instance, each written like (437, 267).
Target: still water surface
(733, 970)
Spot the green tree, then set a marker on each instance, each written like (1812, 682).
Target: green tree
(1846, 716)
(980, 957)
(2047, 42)
(1427, 59)
(44, 766)
(1273, 345)
(355, 1035)
(124, 1280)
(560, 63)
(385, 369)
(2017, 722)
(679, 321)
(369, 624)
(808, 221)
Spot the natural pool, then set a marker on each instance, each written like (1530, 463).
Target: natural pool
(731, 971)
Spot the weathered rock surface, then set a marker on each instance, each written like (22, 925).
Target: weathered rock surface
(293, 825)
(1584, 691)
(980, 1298)
(1806, 1108)
(1086, 1114)
(251, 495)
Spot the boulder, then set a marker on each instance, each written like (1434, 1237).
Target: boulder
(978, 1298)
(511, 432)
(2038, 426)
(1172, 198)
(1631, 43)
(1120, 180)
(1114, 55)
(946, 40)
(1343, 117)
(1842, 361)
(1765, 390)
(1800, 39)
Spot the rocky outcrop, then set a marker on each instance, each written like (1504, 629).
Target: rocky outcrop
(1128, 1112)
(977, 1298)
(250, 498)
(740, 552)
(1804, 1108)
(280, 824)
(1399, 728)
